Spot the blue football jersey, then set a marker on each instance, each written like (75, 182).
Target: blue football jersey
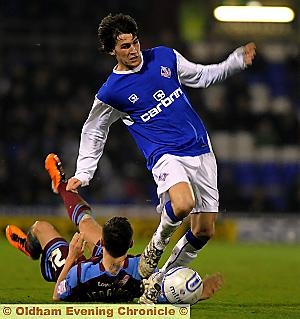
(152, 103)
(157, 111)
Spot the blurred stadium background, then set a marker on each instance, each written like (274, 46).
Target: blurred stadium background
(50, 70)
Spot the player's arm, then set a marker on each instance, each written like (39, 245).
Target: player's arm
(76, 249)
(198, 75)
(93, 138)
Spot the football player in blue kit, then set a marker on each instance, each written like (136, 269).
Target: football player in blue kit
(110, 274)
(146, 91)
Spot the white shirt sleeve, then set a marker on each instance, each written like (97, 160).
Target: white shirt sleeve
(198, 75)
(93, 138)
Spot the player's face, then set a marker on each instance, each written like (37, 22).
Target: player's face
(127, 52)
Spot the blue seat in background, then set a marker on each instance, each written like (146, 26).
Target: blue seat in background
(245, 174)
(290, 172)
(269, 174)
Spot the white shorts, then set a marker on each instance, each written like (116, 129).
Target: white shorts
(199, 171)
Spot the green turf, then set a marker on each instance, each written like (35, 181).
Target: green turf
(261, 281)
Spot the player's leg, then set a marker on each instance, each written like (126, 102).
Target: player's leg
(202, 224)
(92, 232)
(44, 232)
(32, 243)
(76, 207)
(55, 249)
(176, 201)
(42, 238)
(78, 210)
(181, 202)
(187, 248)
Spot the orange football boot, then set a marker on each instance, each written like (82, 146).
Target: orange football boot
(54, 167)
(16, 238)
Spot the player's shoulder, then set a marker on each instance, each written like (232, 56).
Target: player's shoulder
(159, 49)
(159, 54)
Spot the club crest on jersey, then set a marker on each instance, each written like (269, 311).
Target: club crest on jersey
(165, 72)
(133, 98)
(62, 287)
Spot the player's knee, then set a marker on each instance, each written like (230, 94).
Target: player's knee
(85, 220)
(207, 232)
(40, 227)
(200, 231)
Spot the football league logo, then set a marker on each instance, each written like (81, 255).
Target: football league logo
(165, 72)
(162, 177)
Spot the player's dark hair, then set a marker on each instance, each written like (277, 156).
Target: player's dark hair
(117, 236)
(111, 27)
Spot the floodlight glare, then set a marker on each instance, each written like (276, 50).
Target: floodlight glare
(254, 13)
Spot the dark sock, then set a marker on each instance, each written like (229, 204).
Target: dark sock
(33, 246)
(197, 242)
(74, 204)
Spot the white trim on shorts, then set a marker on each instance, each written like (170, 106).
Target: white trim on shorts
(199, 171)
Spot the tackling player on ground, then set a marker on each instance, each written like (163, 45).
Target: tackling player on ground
(145, 90)
(110, 274)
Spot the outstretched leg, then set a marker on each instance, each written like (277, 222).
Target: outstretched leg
(77, 208)
(74, 204)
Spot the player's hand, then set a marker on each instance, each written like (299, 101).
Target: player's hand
(211, 284)
(76, 247)
(73, 184)
(249, 53)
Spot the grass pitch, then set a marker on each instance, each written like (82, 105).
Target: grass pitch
(261, 281)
